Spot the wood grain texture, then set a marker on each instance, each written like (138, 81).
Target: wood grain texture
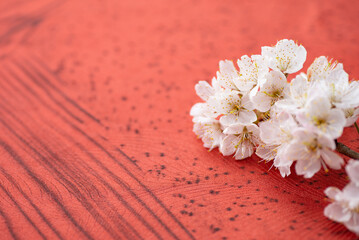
(96, 139)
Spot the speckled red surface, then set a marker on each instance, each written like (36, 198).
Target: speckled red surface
(96, 140)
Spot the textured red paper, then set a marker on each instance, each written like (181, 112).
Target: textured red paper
(96, 140)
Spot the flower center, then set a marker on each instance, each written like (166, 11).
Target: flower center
(349, 112)
(346, 205)
(276, 94)
(262, 116)
(235, 109)
(313, 146)
(319, 121)
(283, 63)
(245, 136)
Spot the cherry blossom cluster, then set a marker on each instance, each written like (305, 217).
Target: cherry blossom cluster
(254, 108)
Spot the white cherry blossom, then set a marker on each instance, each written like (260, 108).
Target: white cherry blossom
(299, 89)
(342, 94)
(234, 107)
(203, 110)
(286, 56)
(345, 204)
(351, 115)
(209, 130)
(240, 140)
(319, 116)
(204, 90)
(311, 151)
(276, 135)
(227, 75)
(322, 68)
(331, 78)
(252, 70)
(273, 88)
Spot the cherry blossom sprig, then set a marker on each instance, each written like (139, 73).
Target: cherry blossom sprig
(254, 109)
(345, 204)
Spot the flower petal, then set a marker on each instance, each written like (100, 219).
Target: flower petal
(349, 98)
(234, 129)
(307, 167)
(267, 152)
(326, 142)
(202, 110)
(352, 169)
(298, 60)
(215, 84)
(351, 192)
(284, 171)
(352, 116)
(246, 102)
(275, 80)
(331, 192)
(244, 150)
(204, 90)
(225, 101)
(269, 132)
(287, 104)
(353, 223)
(227, 74)
(336, 122)
(228, 120)
(246, 117)
(318, 106)
(332, 159)
(228, 145)
(199, 109)
(319, 69)
(336, 212)
(261, 101)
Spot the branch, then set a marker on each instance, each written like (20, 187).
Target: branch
(346, 150)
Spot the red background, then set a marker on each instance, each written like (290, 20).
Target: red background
(96, 139)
